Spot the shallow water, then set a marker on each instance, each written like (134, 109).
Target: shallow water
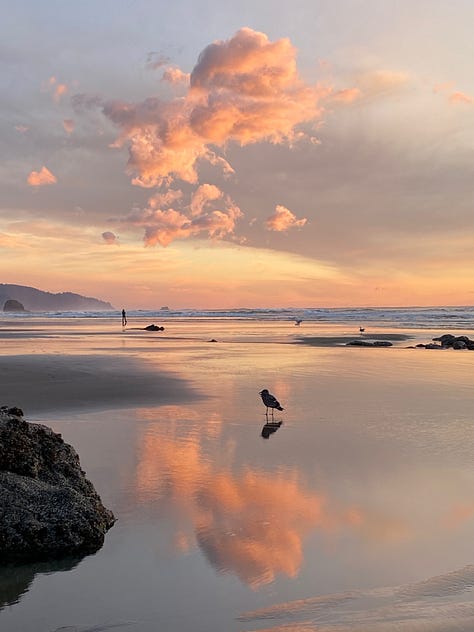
(357, 513)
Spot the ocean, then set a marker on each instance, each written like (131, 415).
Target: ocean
(453, 317)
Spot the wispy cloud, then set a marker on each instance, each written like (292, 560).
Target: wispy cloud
(461, 97)
(56, 88)
(68, 125)
(176, 76)
(283, 219)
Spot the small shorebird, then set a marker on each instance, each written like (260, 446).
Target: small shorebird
(270, 401)
(361, 329)
(298, 322)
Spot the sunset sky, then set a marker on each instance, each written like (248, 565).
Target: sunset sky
(260, 153)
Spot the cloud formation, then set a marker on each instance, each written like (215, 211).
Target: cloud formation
(57, 89)
(41, 178)
(110, 238)
(460, 97)
(283, 219)
(173, 215)
(176, 76)
(68, 125)
(246, 89)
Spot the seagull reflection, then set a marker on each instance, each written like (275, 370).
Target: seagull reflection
(269, 428)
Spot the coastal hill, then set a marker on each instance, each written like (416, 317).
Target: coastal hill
(34, 300)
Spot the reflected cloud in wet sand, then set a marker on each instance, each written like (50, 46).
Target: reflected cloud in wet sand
(247, 522)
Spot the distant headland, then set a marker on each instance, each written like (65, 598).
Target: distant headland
(34, 300)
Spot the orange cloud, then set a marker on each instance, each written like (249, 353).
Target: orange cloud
(176, 76)
(41, 178)
(246, 89)
(460, 97)
(346, 96)
(199, 217)
(58, 89)
(68, 125)
(283, 219)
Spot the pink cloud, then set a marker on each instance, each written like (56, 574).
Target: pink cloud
(68, 125)
(57, 89)
(110, 238)
(41, 178)
(176, 76)
(460, 97)
(283, 219)
(246, 89)
(208, 212)
(346, 96)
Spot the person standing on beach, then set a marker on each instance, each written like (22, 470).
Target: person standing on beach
(124, 318)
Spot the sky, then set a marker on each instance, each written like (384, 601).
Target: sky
(317, 153)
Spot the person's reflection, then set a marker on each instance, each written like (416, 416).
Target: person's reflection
(270, 427)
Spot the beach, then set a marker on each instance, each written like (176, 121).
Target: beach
(356, 513)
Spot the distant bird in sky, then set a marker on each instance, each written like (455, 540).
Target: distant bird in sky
(298, 322)
(270, 401)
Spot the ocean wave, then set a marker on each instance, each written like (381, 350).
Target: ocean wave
(400, 317)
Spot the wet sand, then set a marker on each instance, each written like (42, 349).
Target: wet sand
(333, 341)
(355, 513)
(42, 383)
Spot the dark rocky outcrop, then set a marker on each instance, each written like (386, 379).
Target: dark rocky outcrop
(48, 508)
(13, 306)
(449, 341)
(153, 328)
(360, 342)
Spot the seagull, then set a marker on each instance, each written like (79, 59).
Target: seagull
(361, 329)
(270, 401)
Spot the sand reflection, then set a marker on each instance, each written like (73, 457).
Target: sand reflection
(246, 521)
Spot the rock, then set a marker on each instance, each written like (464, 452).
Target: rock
(359, 342)
(456, 342)
(446, 339)
(154, 328)
(13, 306)
(48, 508)
(431, 345)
